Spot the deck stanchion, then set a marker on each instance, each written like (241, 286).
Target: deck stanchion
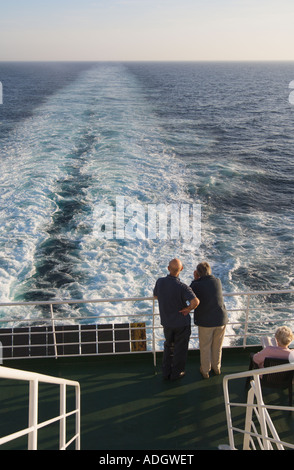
(53, 330)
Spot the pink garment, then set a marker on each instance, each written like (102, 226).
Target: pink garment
(271, 351)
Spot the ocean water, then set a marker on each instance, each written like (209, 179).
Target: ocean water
(77, 136)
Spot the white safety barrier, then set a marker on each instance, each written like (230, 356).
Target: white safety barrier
(259, 432)
(33, 425)
(250, 318)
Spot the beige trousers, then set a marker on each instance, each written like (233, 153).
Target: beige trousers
(210, 344)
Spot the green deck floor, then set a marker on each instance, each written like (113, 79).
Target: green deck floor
(127, 406)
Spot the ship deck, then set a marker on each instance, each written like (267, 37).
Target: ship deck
(126, 406)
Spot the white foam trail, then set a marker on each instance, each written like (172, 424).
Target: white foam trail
(128, 153)
(127, 157)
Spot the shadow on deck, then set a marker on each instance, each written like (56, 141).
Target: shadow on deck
(126, 405)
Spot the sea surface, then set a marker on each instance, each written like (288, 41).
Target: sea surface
(78, 137)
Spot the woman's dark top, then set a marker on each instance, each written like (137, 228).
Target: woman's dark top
(211, 311)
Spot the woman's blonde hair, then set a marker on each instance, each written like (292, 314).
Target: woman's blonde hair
(284, 335)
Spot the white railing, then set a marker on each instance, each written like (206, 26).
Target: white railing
(244, 325)
(33, 425)
(244, 329)
(264, 315)
(265, 436)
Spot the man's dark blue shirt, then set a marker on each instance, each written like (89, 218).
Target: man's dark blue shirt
(172, 295)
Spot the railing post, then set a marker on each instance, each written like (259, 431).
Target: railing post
(78, 417)
(248, 419)
(153, 332)
(53, 330)
(246, 321)
(228, 413)
(33, 415)
(62, 427)
(261, 413)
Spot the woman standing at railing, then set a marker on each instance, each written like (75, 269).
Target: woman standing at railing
(211, 318)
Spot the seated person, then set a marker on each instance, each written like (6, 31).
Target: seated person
(284, 336)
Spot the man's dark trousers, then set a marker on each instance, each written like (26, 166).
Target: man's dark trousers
(175, 351)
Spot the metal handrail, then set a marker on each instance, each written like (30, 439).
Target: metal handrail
(74, 301)
(152, 315)
(260, 409)
(153, 326)
(33, 426)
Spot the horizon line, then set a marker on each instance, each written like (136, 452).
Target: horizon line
(145, 60)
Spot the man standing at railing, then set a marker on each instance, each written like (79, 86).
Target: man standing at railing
(173, 297)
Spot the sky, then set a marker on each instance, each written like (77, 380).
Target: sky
(159, 30)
